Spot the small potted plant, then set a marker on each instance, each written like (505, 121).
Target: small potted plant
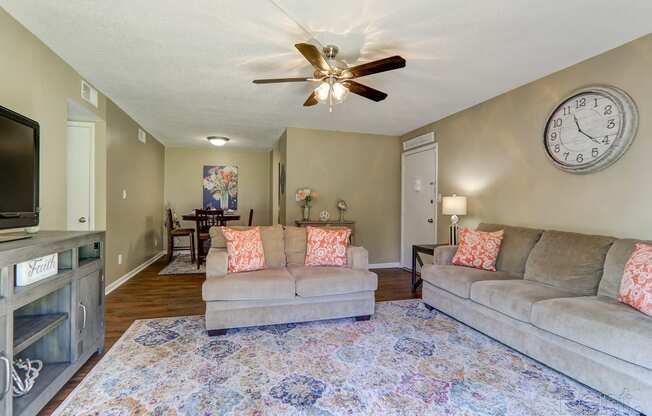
(305, 196)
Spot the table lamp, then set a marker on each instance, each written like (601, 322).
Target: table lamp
(454, 206)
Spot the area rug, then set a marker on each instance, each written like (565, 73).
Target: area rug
(405, 361)
(181, 264)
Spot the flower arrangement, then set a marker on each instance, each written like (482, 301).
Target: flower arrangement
(305, 196)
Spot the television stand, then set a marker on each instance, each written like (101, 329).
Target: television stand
(5, 238)
(58, 320)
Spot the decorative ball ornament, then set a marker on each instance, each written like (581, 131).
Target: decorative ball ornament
(324, 215)
(590, 129)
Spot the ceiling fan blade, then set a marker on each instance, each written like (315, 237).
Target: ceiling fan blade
(277, 80)
(314, 56)
(312, 100)
(374, 67)
(364, 91)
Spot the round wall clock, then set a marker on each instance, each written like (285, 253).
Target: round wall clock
(591, 129)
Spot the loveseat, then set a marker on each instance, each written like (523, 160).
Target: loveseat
(554, 298)
(286, 291)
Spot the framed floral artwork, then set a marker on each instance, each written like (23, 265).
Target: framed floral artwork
(220, 187)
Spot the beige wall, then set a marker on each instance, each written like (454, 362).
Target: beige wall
(493, 153)
(183, 179)
(134, 224)
(35, 82)
(362, 169)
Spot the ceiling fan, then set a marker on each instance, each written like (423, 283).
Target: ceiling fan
(336, 81)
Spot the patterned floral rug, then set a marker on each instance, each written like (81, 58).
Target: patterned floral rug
(405, 361)
(181, 264)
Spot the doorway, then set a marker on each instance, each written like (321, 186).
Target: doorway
(418, 200)
(81, 176)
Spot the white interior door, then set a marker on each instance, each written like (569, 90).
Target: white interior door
(419, 204)
(81, 175)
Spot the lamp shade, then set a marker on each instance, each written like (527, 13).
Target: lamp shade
(454, 205)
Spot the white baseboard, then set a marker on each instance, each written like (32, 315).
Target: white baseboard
(122, 280)
(385, 265)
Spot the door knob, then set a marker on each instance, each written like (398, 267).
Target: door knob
(430, 220)
(82, 219)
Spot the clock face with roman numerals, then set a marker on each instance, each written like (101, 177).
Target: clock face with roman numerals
(590, 129)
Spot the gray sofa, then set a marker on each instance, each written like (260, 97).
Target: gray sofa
(554, 298)
(287, 291)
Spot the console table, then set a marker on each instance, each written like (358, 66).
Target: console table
(58, 320)
(334, 223)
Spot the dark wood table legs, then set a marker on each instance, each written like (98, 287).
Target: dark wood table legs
(416, 259)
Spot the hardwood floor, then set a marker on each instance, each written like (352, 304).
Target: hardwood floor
(148, 295)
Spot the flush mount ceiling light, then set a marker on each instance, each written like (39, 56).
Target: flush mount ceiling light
(335, 80)
(217, 140)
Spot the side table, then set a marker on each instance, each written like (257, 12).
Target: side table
(416, 249)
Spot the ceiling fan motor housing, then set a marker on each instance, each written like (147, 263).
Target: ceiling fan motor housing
(330, 51)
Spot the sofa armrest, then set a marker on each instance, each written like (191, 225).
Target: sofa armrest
(444, 255)
(216, 263)
(357, 258)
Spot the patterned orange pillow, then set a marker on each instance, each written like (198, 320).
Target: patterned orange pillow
(326, 247)
(478, 249)
(244, 249)
(636, 285)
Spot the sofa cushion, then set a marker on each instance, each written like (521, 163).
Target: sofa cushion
(261, 284)
(322, 281)
(598, 322)
(636, 286)
(295, 245)
(458, 279)
(515, 248)
(326, 247)
(245, 250)
(514, 298)
(478, 249)
(614, 266)
(273, 244)
(568, 261)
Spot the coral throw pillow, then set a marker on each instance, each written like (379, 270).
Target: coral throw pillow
(244, 249)
(478, 249)
(326, 247)
(636, 285)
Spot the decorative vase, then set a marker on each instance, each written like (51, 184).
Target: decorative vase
(306, 212)
(224, 200)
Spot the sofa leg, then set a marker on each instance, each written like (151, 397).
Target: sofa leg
(428, 306)
(363, 318)
(216, 332)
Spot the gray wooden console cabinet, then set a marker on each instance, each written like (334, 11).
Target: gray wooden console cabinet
(58, 320)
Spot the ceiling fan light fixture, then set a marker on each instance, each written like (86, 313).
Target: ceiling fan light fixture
(339, 92)
(217, 140)
(322, 91)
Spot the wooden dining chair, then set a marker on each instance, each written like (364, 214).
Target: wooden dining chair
(173, 231)
(251, 217)
(205, 220)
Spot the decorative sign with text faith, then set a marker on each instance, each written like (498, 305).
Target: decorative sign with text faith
(36, 269)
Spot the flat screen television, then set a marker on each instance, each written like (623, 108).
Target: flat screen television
(19, 170)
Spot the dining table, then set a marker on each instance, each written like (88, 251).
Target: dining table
(225, 217)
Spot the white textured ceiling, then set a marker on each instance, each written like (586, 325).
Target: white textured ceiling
(183, 69)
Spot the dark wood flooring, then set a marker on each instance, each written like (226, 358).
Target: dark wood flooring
(148, 295)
